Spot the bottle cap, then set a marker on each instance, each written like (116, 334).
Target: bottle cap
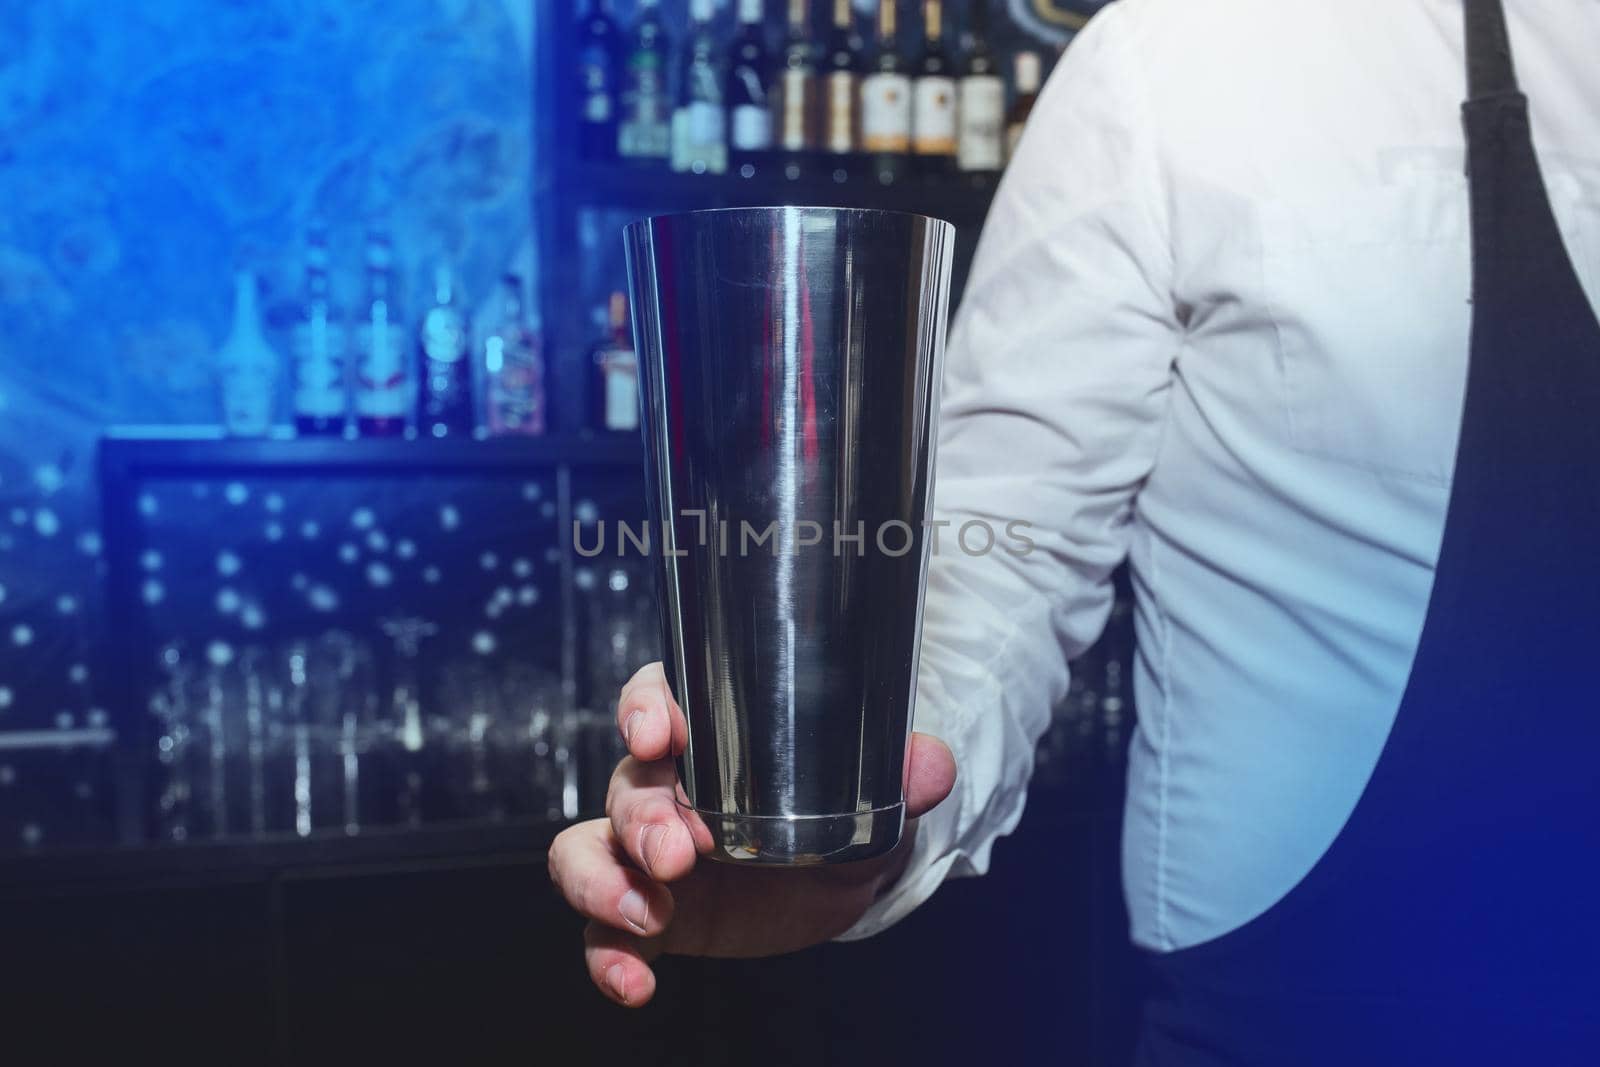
(1027, 72)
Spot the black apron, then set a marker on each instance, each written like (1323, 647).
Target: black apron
(1456, 918)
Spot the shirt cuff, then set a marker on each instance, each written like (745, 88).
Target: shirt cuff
(921, 877)
(933, 855)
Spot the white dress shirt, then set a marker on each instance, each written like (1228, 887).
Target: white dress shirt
(1218, 324)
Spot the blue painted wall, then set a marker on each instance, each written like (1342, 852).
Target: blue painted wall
(148, 150)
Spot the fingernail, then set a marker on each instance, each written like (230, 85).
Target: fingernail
(650, 840)
(630, 724)
(617, 979)
(635, 910)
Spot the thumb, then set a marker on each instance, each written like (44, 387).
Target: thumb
(930, 774)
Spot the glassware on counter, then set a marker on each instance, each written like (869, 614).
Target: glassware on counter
(296, 739)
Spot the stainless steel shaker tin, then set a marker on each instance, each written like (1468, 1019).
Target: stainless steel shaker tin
(790, 361)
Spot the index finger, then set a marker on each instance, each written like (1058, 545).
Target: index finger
(650, 720)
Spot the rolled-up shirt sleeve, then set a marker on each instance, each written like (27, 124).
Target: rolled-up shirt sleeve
(1056, 382)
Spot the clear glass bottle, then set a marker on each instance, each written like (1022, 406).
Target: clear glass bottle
(382, 387)
(513, 368)
(247, 367)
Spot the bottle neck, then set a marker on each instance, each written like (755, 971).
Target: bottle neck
(379, 266)
(933, 22)
(979, 25)
(751, 12)
(245, 316)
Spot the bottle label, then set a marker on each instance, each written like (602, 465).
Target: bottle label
(795, 133)
(444, 336)
(318, 349)
(933, 116)
(622, 390)
(247, 390)
(886, 113)
(516, 385)
(752, 128)
(981, 115)
(841, 132)
(708, 125)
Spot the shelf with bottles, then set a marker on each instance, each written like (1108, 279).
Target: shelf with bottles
(959, 198)
(721, 117)
(388, 361)
(208, 449)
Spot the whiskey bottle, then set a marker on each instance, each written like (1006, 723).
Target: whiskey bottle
(886, 102)
(933, 96)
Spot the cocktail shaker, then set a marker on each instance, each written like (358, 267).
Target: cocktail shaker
(790, 361)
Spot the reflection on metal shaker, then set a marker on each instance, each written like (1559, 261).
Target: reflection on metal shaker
(790, 362)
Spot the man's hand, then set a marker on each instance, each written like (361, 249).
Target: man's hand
(617, 870)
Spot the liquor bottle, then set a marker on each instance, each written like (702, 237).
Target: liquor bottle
(513, 368)
(886, 102)
(444, 393)
(316, 345)
(644, 134)
(797, 92)
(980, 101)
(381, 386)
(599, 63)
(841, 85)
(933, 96)
(247, 367)
(616, 373)
(700, 122)
(1027, 86)
(749, 109)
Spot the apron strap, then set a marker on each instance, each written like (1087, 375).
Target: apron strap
(1489, 69)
